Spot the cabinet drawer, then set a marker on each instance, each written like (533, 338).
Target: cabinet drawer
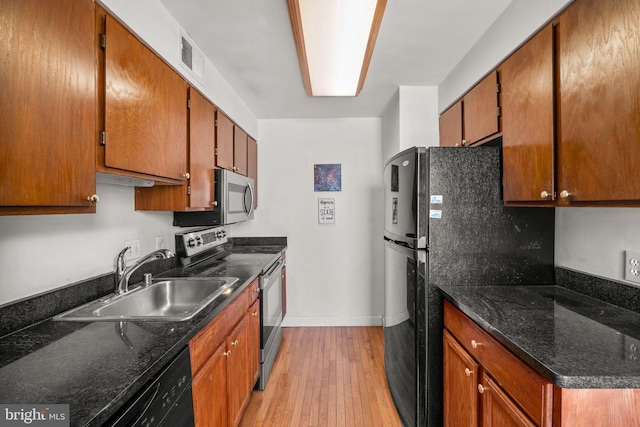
(211, 336)
(533, 393)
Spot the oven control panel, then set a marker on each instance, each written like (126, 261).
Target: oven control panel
(194, 242)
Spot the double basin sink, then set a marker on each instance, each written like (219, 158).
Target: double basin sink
(168, 299)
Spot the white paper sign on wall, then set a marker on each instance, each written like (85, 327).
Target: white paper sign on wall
(326, 211)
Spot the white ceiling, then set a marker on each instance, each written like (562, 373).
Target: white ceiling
(251, 45)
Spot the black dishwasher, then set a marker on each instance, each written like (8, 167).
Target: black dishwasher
(164, 401)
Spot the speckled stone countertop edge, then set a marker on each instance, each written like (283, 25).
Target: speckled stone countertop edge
(502, 339)
(512, 344)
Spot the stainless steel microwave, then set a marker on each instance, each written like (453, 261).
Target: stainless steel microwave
(234, 197)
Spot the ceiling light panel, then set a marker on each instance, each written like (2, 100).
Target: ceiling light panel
(335, 39)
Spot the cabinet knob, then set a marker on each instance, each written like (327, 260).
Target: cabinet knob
(545, 195)
(464, 142)
(186, 175)
(564, 194)
(481, 388)
(94, 199)
(474, 344)
(227, 353)
(468, 372)
(214, 203)
(255, 313)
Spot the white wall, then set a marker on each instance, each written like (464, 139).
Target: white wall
(43, 252)
(419, 117)
(391, 129)
(593, 240)
(334, 271)
(409, 120)
(518, 22)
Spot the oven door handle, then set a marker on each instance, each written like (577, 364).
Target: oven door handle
(267, 276)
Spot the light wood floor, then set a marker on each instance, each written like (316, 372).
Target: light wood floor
(330, 376)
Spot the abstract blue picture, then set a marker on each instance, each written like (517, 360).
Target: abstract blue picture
(327, 177)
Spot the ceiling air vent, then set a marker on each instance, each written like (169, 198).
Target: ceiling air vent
(191, 57)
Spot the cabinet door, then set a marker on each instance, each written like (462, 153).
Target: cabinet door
(224, 141)
(47, 106)
(498, 410)
(451, 126)
(528, 121)
(254, 343)
(202, 145)
(481, 110)
(145, 109)
(460, 382)
(197, 193)
(599, 101)
(252, 167)
(239, 151)
(238, 384)
(209, 389)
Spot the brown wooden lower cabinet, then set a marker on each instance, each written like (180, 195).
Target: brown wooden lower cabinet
(223, 356)
(207, 387)
(487, 385)
(254, 351)
(498, 409)
(461, 380)
(238, 381)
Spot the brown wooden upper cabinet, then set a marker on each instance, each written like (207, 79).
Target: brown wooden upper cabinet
(47, 107)
(451, 126)
(224, 141)
(586, 152)
(475, 117)
(481, 111)
(252, 167)
(528, 122)
(236, 151)
(239, 151)
(599, 102)
(197, 193)
(144, 107)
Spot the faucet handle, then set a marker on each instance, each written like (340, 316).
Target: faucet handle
(121, 263)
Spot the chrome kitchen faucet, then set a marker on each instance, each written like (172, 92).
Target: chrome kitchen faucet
(122, 274)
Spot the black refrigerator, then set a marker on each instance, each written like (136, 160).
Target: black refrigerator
(445, 223)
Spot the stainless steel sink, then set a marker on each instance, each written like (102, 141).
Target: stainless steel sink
(168, 299)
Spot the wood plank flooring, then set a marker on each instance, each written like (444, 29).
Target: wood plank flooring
(331, 376)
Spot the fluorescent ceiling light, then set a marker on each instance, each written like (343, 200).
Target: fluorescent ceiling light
(334, 40)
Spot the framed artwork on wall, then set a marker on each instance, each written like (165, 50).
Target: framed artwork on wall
(327, 177)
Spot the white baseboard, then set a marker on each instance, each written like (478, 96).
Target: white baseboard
(293, 321)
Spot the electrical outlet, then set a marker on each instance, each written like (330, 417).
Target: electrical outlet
(631, 348)
(632, 266)
(160, 242)
(134, 251)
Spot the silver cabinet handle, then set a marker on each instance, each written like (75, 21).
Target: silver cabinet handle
(564, 194)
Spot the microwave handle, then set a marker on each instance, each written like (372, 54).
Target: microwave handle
(250, 210)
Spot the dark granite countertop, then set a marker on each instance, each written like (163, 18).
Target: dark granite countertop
(91, 367)
(571, 339)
